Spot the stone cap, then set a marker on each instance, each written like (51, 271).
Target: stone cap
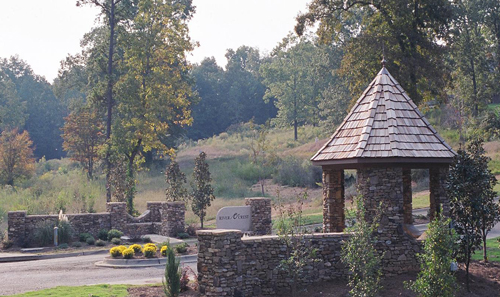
(218, 232)
(257, 198)
(17, 211)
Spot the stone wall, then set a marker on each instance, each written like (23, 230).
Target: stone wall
(384, 187)
(229, 265)
(261, 215)
(21, 226)
(172, 218)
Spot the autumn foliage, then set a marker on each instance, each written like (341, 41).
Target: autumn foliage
(82, 134)
(16, 156)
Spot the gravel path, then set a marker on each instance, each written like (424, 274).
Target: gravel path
(20, 277)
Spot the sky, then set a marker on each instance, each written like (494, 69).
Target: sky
(44, 32)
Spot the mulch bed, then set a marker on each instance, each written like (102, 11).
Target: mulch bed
(484, 281)
(156, 291)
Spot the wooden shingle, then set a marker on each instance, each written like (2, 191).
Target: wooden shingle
(384, 123)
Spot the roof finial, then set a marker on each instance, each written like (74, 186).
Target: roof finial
(383, 56)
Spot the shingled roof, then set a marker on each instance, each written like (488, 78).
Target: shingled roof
(384, 125)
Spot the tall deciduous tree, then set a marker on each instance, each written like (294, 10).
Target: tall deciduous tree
(203, 193)
(109, 12)
(45, 114)
(289, 78)
(408, 29)
(16, 156)
(469, 52)
(83, 135)
(155, 91)
(12, 110)
(470, 188)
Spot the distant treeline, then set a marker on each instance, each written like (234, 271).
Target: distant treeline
(442, 52)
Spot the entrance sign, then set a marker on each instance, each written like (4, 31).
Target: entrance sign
(235, 217)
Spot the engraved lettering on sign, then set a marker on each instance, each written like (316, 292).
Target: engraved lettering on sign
(234, 217)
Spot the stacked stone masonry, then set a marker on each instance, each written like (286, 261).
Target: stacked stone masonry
(229, 265)
(333, 204)
(261, 215)
(382, 192)
(437, 186)
(157, 218)
(172, 221)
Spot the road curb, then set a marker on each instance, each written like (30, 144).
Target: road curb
(16, 258)
(136, 263)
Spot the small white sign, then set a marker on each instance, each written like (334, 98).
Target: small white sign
(235, 217)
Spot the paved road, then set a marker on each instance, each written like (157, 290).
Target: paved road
(20, 277)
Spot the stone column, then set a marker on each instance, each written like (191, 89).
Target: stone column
(217, 251)
(439, 202)
(16, 230)
(383, 187)
(118, 215)
(333, 200)
(407, 197)
(172, 218)
(154, 208)
(261, 215)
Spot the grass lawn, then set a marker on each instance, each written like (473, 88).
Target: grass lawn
(83, 291)
(420, 200)
(492, 250)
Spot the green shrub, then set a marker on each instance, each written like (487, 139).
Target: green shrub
(435, 278)
(172, 280)
(100, 242)
(147, 239)
(128, 253)
(359, 255)
(113, 233)
(181, 248)
(63, 246)
(83, 236)
(64, 232)
(182, 235)
(295, 172)
(90, 240)
(43, 234)
(116, 241)
(76, 244)
(102, 234)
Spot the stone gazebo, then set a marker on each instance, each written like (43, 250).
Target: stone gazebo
(383, 138)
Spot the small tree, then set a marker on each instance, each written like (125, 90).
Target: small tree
(16, 156)
(172, 280)
(470, 188)
(175, 180)
(298, 251)
(360, 256)
(203, 193)
(435, 278)
(83, 134)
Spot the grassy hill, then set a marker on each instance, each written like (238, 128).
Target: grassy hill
(61, 184)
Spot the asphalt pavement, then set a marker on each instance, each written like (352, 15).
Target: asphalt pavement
(20, 277)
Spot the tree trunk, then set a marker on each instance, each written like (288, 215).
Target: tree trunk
(485, 257)
(201, 221)
(109, 97)
(130, 177)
